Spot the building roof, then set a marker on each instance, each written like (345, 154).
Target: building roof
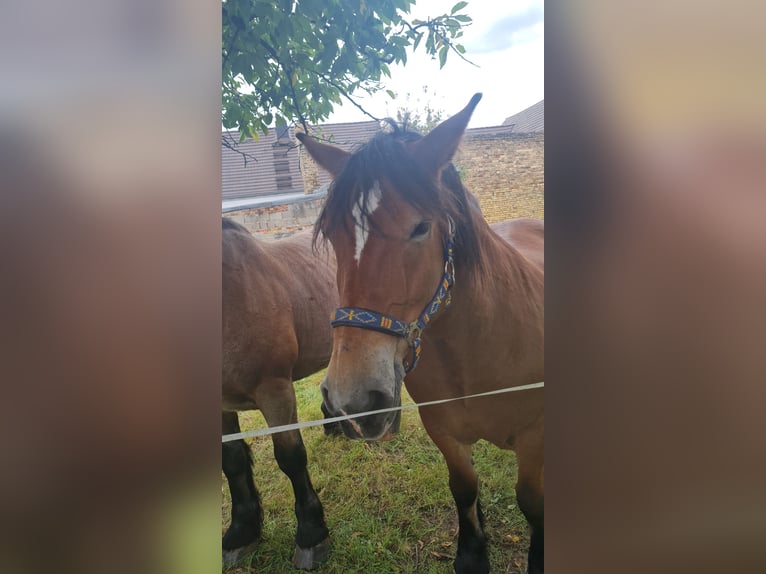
(530, 120)
(271, 165)
(263, 167)
(348, 136)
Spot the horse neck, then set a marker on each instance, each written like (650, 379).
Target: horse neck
(503, 267)
(505, 296)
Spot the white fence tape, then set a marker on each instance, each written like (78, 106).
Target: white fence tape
(298, 426)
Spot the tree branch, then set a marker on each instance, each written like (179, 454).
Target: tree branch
(230, 143)
(343, 93)
(444, 39)
(289, 73)
(231, 45)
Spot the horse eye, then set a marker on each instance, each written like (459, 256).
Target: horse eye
(421, 229)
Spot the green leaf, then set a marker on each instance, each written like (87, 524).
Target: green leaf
(457, 7)
(391, 94)
(418, 38)
(443, 56)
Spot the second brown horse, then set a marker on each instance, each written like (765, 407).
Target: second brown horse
(277, 297)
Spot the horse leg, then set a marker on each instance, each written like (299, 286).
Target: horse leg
(276, 399)
(246, 513)
(530, 492)
(464, 483)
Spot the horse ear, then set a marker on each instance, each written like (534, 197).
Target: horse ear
(331, 158)
(438, 147)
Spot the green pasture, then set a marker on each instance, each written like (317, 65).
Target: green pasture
(388, 505)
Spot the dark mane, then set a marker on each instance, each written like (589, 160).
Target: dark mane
(385, 156)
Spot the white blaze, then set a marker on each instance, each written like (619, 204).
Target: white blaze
(360, 221)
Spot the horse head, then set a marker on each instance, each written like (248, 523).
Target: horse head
(394, 213)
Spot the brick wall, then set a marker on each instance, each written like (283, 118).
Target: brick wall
(505, 172)
(279, 220)
(309, 169)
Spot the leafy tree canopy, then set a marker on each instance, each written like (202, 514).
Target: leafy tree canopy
(296, 59)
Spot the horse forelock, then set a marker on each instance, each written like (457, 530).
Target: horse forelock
(386, 158)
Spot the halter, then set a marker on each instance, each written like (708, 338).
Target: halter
(411, 332)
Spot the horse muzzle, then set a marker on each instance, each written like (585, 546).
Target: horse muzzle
(369, 427)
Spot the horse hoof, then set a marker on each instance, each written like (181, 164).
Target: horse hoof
(235, 555)
(310, 558)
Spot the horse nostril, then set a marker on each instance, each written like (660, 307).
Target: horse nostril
(379, 400)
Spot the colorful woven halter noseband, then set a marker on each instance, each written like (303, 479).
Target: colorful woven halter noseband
(411, 332)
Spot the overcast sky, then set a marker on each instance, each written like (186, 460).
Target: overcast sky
(505, 40)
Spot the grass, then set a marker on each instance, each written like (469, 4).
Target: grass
(387, 505)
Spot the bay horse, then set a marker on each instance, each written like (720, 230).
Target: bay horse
(402, 226)
(277, 297)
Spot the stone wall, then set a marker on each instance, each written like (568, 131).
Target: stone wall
(506, 173)
(278, 221)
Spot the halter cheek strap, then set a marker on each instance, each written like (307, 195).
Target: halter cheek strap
(411, 332)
